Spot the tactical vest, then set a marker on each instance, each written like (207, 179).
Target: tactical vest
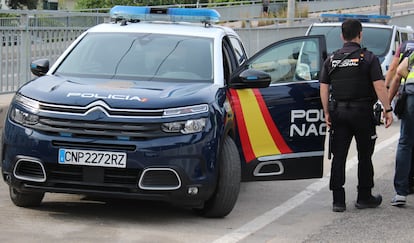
(349, 77)
(410, 76)
(406, 49)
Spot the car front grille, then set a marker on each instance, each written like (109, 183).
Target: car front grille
(99, 129)
(92, 175)
(98, 120)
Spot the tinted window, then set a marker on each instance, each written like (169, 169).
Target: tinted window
(141, 56)
(377, 40)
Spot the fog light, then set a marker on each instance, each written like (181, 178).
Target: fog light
(193, 190)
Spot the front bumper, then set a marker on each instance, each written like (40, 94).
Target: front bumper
(179, 169)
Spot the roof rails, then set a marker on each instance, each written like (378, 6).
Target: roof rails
(380, 19)
(136, 14)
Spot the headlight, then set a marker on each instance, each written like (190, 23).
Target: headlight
(23, 118)
(28, 117)
(188, 110)
(185, 127)
(30, 104)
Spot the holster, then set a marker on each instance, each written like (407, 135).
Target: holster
(332, 105)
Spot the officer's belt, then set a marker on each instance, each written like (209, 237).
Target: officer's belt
(353, 103)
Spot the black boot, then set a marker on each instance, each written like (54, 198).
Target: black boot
(366, 200)
(339, 200)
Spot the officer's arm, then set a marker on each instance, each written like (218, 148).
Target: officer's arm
(402, 71)
(394, 85)
(381, 91)
(324, 92)
(403, 68)
(391, 72)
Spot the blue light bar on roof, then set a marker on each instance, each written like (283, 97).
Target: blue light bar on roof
(203, 15)
(382, 19)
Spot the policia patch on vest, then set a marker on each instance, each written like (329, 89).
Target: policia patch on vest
(349, 77)
(346, 63)
(341, 60)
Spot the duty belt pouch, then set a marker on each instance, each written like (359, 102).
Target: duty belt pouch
(332, 105)
(377, 113)
(400, 103)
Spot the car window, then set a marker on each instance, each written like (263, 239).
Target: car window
(141, 56)
(291, 61)
(229, 62)
(397, 41)
(238, 50)
(377, 40)
(404, 36)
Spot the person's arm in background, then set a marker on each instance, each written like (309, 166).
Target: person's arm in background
(392, 70)
(402, 69)
(392, 79)
(394, 85)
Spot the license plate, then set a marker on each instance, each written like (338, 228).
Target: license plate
(92, 158)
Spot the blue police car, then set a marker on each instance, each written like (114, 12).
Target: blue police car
(154, 106)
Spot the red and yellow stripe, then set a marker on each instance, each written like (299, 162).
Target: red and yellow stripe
(258, 133)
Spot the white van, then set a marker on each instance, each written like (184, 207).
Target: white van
(379, 37)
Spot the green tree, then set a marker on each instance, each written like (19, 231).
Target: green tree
(88, 4)
(20, 4)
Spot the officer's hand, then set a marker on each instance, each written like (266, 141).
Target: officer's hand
(328, 120)
(388, 118)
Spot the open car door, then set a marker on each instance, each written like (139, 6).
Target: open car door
(281, 128)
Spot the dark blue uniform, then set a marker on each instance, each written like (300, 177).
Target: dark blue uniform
(350, 72)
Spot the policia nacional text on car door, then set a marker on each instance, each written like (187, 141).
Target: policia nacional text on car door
(281, 128)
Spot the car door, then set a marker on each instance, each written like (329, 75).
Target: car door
(280, 128)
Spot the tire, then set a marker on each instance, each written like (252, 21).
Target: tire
(228, 183)
(25, 199)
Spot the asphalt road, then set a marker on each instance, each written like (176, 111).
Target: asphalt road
(280, 211)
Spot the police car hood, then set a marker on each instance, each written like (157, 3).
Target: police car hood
(119, 93)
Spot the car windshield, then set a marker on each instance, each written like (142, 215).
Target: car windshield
(377, 40)
(141, 57)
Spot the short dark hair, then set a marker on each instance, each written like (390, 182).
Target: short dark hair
(351, 29)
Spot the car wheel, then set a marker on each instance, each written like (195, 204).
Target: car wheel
(228, 184)
(25, 199)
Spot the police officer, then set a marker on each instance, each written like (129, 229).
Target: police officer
(393, 82)
(351, 81)
(406, 141)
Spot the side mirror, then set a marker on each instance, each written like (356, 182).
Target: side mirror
(39, 67)
(251, 78)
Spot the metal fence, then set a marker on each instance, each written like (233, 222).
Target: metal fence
(35, 35)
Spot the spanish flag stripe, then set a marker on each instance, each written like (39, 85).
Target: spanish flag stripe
(244, 138)
(257, 131)
(274, 131)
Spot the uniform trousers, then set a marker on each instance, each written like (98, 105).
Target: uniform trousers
(352, 120)
(404, 149)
